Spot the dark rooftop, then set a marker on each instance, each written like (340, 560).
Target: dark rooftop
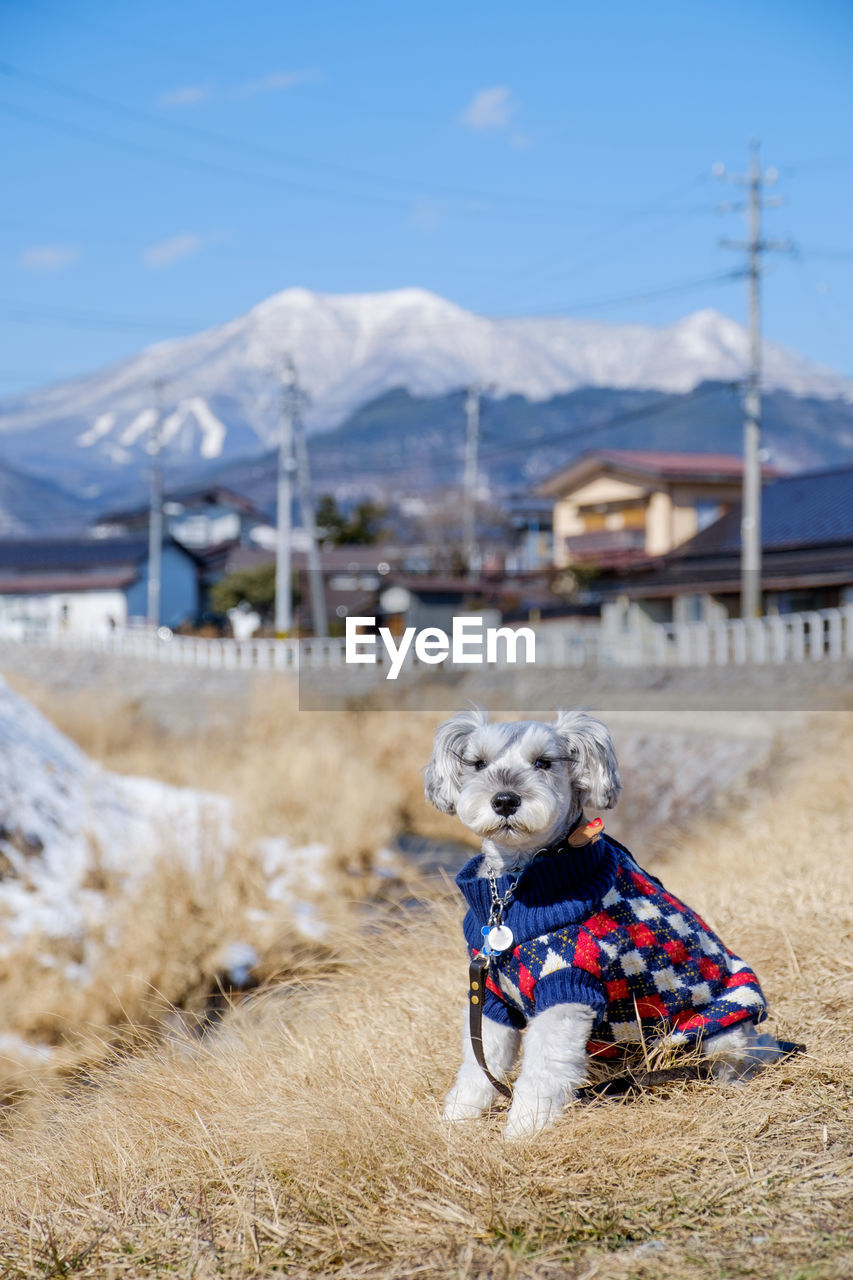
(811, 509)
(191, 497)
(72, 554)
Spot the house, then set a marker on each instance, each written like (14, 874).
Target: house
(807, 559)
(529, 517)
(90, 585)
(614, 507)
(197, 516)
(352, 574)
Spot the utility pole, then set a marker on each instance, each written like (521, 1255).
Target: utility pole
(309, 524)
(284, 499)
(755, 246)
(155, 508)
(469, 512)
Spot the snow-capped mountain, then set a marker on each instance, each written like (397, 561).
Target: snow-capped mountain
(220, 389)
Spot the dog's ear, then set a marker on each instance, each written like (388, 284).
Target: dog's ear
(441, 780)
(593, 760)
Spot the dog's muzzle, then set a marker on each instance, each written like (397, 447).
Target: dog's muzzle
(506, 802)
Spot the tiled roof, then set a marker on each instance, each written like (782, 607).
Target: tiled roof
(69, 554)
(33, 584)
(648, 464)
(662, 463)
(780, 570)
(193, 498)
(811, 509)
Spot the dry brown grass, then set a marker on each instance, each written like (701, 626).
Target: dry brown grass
(305, 1140)
(349, 781)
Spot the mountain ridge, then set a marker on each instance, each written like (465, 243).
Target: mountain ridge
(221, 388)
(400, 445)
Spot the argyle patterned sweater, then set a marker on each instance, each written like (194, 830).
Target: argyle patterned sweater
(592, 927)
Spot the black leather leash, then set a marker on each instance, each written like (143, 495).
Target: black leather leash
(477, 971)
(613, 1087)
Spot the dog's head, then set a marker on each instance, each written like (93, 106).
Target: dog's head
(520, 785)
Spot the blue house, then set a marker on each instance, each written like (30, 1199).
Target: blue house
(91, 585)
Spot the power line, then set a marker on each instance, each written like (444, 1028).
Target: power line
(265, 180)
(660, 208)
(211, 243)
(72, 317)
(655, 409)
(268, 153)
(468, 207)
(833, 255)
(184, 162)
(631, 415)
(186, 56)
(636, 295)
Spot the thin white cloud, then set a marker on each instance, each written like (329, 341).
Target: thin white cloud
(276, 82)
(490, 109)
(187, 95)
(49, 257)
(190, 95)
(167, 252)
(426, 216)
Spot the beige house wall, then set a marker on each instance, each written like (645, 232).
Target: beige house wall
(568, 522)
(671, 515)
(659, 523)
(673, 518)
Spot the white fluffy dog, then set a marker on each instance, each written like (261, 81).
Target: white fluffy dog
(586, 950)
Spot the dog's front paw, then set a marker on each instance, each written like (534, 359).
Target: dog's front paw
(528, 1115)
(466, 1104)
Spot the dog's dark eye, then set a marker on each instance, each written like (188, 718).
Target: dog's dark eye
(542, 763)
(478, 764)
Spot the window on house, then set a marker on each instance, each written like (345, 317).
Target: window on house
(693, 608)
(706, 513)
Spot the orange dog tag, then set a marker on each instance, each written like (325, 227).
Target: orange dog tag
(586, 834)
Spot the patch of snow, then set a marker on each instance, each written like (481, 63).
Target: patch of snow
(290, 870)
(293, 871)
(19, 1050)
(116, 454)
(308, 920)
(102, 426)
(212, 430)
(142, 423)
(237, 960)
(67, 825)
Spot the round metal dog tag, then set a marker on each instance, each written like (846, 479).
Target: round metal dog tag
(500, 938)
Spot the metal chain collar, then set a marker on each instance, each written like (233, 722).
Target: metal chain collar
(499, 904)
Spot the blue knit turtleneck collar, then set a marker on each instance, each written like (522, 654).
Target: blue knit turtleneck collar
(550, 893)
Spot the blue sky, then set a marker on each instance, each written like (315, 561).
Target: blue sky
(168, 165)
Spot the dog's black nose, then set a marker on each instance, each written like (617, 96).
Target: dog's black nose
(506, 802)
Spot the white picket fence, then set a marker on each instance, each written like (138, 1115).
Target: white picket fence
(820, 636)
